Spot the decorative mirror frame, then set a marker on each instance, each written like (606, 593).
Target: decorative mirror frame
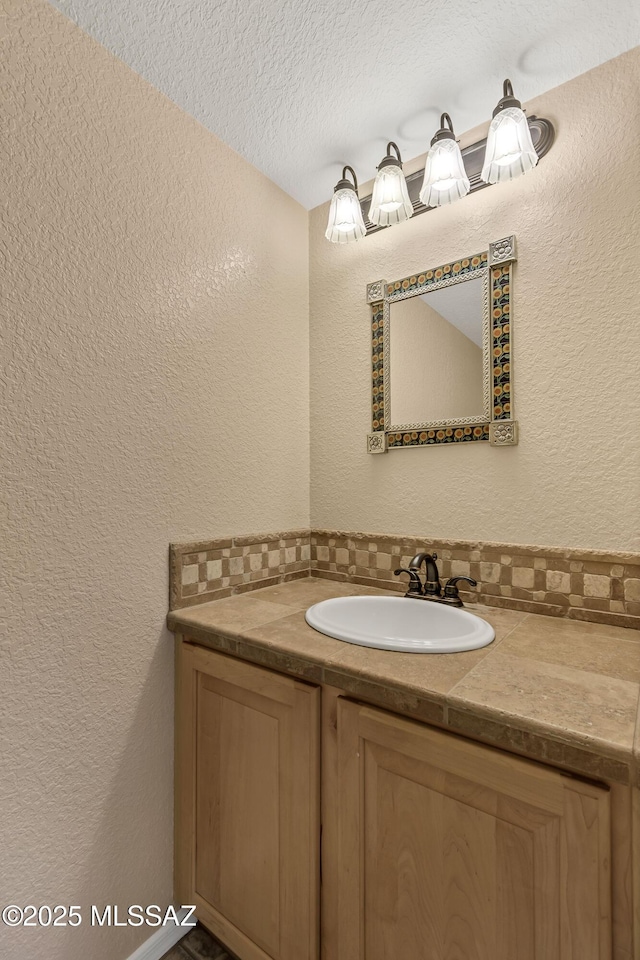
(497, 424)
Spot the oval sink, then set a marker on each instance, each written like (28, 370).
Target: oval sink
(400, 623)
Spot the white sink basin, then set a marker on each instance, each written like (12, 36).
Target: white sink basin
(400, 623)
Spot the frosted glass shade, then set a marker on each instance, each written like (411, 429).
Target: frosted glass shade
(345, 217)
(445, 178)
(510, 151)
(390, 201)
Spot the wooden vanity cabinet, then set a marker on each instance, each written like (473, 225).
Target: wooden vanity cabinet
(449, 850)
(247, 818)
(433, 847)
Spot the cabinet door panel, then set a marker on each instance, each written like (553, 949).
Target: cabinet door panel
(453, 851)
(238, 804)
(247, 766)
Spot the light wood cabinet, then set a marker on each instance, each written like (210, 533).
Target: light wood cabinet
(449, 850)
(247, 804)
(433, 847)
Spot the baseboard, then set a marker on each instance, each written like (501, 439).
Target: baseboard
(162, 940)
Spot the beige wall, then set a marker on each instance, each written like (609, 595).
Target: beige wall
(154, 388)
(436, 371)
(574, 480)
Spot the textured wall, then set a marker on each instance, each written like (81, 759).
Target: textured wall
(574, 480)
(154, 388)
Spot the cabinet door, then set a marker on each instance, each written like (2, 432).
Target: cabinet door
(247, 804)
(449, 850)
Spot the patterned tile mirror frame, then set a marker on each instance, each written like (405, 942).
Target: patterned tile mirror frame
(499, 427)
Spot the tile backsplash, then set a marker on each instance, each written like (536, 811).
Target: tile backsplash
(599, 586)
(212, 569)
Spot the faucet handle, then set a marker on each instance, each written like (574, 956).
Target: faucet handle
(415, 585)
(451, 589)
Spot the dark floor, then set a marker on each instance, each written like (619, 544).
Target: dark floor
(198, 945)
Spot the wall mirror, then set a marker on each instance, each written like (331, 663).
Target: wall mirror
(442, 369)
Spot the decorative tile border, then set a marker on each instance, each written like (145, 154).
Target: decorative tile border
(409, 286)
(578, 584)
(212, 569)
(501, 341)
(377, 367)
(423, 438)
(590, 585)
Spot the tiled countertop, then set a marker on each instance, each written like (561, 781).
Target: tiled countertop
(555, 690)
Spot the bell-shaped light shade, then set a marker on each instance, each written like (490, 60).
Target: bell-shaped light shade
(445, 178)
(345, 217)
(510, 151)
(345, 214)
(390, 201)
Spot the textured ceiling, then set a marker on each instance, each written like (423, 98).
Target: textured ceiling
(300, 87)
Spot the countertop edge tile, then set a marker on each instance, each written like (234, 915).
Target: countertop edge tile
(537, 745)
(427, 707)
(524, 726)
(466, 696)
(635, 772)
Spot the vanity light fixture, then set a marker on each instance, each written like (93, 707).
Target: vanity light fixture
(390, 201)
(445, 178)
(514, 145)
(345, 214)
(510, 151)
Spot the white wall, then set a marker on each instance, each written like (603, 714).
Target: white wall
(574, 480)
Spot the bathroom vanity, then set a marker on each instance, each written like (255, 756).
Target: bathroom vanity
(349, 803)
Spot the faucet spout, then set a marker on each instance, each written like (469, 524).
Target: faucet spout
(432, 584)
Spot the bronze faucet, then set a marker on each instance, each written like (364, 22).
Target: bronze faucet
(432, 588)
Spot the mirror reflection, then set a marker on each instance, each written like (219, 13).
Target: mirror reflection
(436, 355)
